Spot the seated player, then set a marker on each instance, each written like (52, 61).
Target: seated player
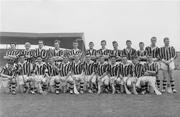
(89, 70)
(142, 53)
(116, 52)
(102, 74)
(103, 51)
(151, 69)
(65, 75)
(52, 75)
(23, 69)
(56, 53)
(78, 74)
(7, 75)
(129, 52)
(91, 51)
(113, 72)
(40, 71)
(167, 56)
(126, 72)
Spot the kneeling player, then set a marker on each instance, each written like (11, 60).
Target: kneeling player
(126, 72)
(89, 70)
(151, 69)
(102, 74)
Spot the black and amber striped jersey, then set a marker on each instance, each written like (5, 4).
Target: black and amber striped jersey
(167, 53)
(126, 70)
(40, 53)
(8, 69)
(139, 70)
(140, 54)
(113, 70)
(77, 68)
(64, 68)
(89, 68)
(117, 53)
(151, 67)
(101, 69)
(52, 70)
(40, 68)
(152, 51)
(103, 52)
(11, 52)
(130, 54)
(55, 52)
(91, 52)
(74, 52)
(24, 68)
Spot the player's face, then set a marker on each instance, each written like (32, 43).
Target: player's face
(135, 61)
(75, 45)
(101, 60)
(13, 46)
(141, 46)
(124, 59)
(150, 59)
(103, 44)
(166, 42)
(129, 44)
(27, 46)
(65, 60)
(88, 59)
(113, 60)
(56, 45)
(40, 44)
(21, 59)
(115, 45)
(153, 41)
(91, 45)
(76, 59)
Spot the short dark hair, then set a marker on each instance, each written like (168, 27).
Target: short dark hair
(57, 41)
(13, 43)
(153, 38)
(166, 38)
(114, 42)
(141, 42)
(128, 41)
(91, 42)
(103, 41)
(41, 41)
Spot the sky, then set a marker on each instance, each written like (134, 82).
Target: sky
(98, 19)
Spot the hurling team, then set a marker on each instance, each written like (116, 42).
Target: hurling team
(73, 71)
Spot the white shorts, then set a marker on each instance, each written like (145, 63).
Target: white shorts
(40, 78)
(163, 66)
(145, 79)
(69, 79)
(104, 79)
(113, 79)
(52, 80)
(4, 82)
(21, 79)
(88, 78)
(78, 77)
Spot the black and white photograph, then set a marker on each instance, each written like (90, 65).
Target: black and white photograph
(89, 58)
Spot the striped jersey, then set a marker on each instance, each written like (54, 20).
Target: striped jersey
(40, 69)
(126, 69)
(8, 70)
(167, 53)
(77, 68)
(130, 54)
(103, 52)
(101, 69)
(28, 54)
(40, 53)
(64, 68)
(89, 68)
(151, 67)
(75, 52)
(154, 52)
(117, 53)
(51, 70)
(139, 70)
(24, 68)
(141, 53)
(113, 69)
(55, 52)
(91, 52)
(12, 52)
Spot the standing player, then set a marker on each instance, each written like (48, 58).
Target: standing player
(40, 52)
(116, 52)
(126, 74)
(78, 74)
(103, 51)
(102, 74)
(89, 70)
(129, 52)
(75, 51)
(91, 51)
(27, 52)
(142, 53)
(56, 53)
(113, 72)
(149, 76)
(167, 56)
(153, 51)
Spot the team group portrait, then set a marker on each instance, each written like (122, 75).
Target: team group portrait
(89, 59)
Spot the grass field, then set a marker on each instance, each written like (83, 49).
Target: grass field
(91, 105)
